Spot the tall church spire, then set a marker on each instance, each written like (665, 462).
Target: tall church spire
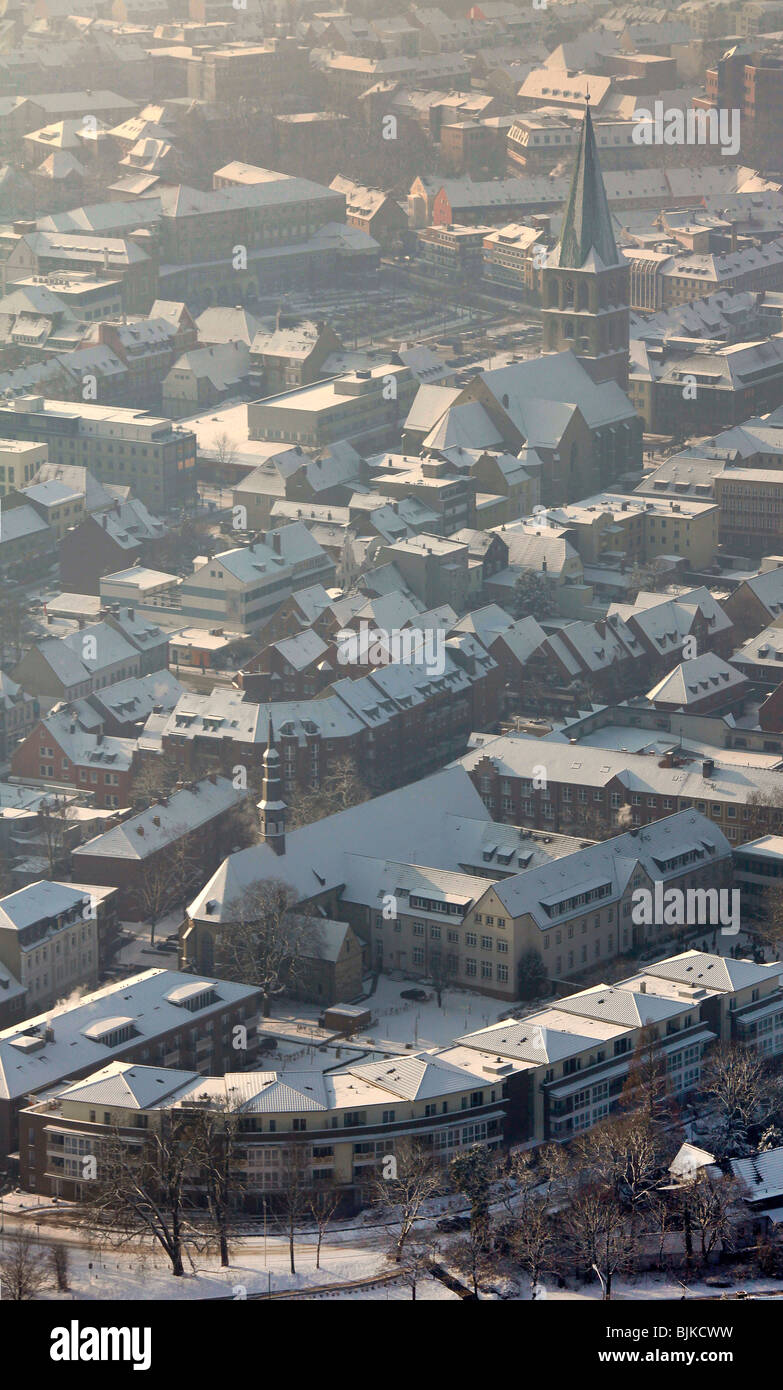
(584, 283)
(587, 222)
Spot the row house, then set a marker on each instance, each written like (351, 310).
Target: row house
(395, 722)
(70, 749)
(531, 781)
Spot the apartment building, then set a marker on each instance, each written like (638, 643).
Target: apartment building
(19, 462)
(75, 665)
(683, 390)
(54, 937)
(272, 70)
(513, 255)
(546, 1077)
(751, 508)
(437, 482)
(160, 1017)
(395, 722)
(28, 547)
(69, 747)
(122, 259)
(241, 587)
(121, 446)
(583, 784)
(435, 568)
(660, 280)
(453, 253)
(342, 1121)
(58, 504)
(630, 528)
(290, 356)
(193, 827)
(567, 1063)
(18, 713)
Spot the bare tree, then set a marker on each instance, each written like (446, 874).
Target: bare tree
(167, 877)
(742, 1091)
(23, 1271)
(342, 787)
(647, 1087)
(324, 1203)
(155, 777)
(140, 1188)
(267, 942)
(214, 1133)
(7, 883)
(225, 451)
(708, 1208)
(768, 923)
(58, 1263)
(14, 629)
(414, 1264)
(296, 1187)
(54, 824)
(414, 1180)
(474, 1255)
(598, 1233)
(528, 1192)
(624, 1156)
(441, 974)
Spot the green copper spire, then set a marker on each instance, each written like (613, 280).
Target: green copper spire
(587, 224)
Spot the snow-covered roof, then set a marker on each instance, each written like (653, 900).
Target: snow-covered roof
(761, 1175)
(409, 822)
(32, 1058)
(42, 901)
(163, 823)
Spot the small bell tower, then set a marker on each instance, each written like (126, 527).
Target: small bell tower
(271, 808)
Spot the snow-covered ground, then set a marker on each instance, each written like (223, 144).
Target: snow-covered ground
(395, 1022)
(257, 1267)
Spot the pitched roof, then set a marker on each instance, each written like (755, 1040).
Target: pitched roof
(587, 225)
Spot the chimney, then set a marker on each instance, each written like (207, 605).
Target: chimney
(642, 986)
(707, 768)
(276, 542)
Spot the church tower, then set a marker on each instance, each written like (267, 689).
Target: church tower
(271, 807)
(584, 284)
